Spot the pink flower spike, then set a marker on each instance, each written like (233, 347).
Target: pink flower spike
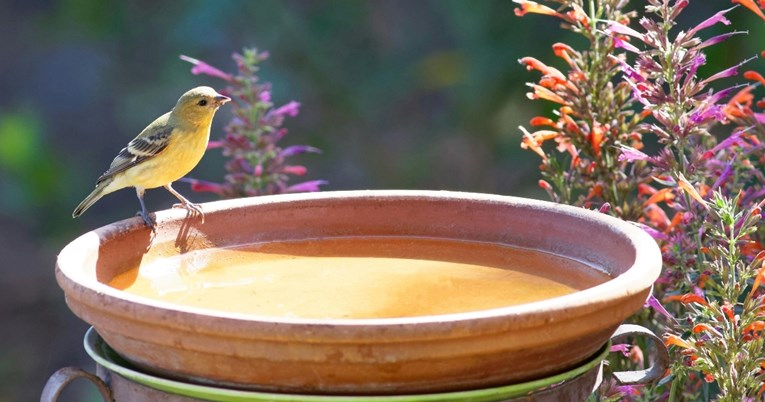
(214, 144)
(297, 170)
(733, 139)
(630, 72)
(292, 108)
(724, 175)
(307, 186)
(719, 38)
(265, 96)
(622, 348)
(621, 43)
(630, 154)
(201, 67)
(655, 304)
(728, 72)
(297, 149)
(615, 27)
(718, 17)
(204, 186)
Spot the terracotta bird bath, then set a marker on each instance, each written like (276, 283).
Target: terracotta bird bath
(393, 355)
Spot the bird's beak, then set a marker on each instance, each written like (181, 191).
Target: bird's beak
(222, 99)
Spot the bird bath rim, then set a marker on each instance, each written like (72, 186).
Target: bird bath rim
(594, 294)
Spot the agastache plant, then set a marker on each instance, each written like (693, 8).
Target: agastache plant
(700, 198)
(257, 165)
(594, 115)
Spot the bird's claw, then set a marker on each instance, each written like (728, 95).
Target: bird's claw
(194, 209)
(147, 220)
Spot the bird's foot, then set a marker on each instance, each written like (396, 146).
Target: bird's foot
(147, 220)
(194, 209)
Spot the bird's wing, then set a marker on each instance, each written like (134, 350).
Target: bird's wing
(152, 141)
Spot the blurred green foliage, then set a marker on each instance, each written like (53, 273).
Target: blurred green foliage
(35, 177)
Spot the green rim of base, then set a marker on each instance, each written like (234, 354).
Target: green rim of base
(108, 358)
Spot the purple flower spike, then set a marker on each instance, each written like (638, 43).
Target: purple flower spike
(718, 17)
(630, 72)
(306, 186)
(622, 348)
(728, 72)
(620, 43)
(733, 139)
(717, 39)
(657, 235)
(615, 27)
(298, 149)
(291, 109)
(201, 67)
(630, 154)
(704, 114)
(655, 304)
(628, 390)
(727, 172)
(215, 144)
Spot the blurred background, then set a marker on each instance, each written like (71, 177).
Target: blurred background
(397, 94)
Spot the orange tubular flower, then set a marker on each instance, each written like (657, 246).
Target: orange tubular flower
(701, 327)
(529, 142)
(534, 64)
(657, 217)
(565, 51)
(758, 279)
(578, 14)
(676, 219)
(751, 6)
(678, 341)
(596, 138)
(542, 121)
(541, 92)
(727, 309)
(754, 76)
(645, 189)
(684, 184)
(535, 8)
(663, 195)
(756, 326)
(543, 135)
(693, 298)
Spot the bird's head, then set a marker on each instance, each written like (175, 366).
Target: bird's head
(198, 105)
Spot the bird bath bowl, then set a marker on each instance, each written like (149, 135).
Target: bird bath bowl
(396, 353)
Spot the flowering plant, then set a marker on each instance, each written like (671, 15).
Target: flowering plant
(257, 164)
(700, 197)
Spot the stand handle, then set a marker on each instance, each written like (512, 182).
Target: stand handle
(657, 369)
(61, 378)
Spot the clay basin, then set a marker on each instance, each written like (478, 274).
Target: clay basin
(403, 354)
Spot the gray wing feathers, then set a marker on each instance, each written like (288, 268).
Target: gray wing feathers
(139, 149)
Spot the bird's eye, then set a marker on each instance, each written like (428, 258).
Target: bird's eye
(203, 102)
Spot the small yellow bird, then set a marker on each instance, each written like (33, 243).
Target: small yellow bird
(166, 150)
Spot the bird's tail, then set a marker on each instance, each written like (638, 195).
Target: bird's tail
(91, 199)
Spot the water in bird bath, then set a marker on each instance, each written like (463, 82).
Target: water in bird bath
(358, 277)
